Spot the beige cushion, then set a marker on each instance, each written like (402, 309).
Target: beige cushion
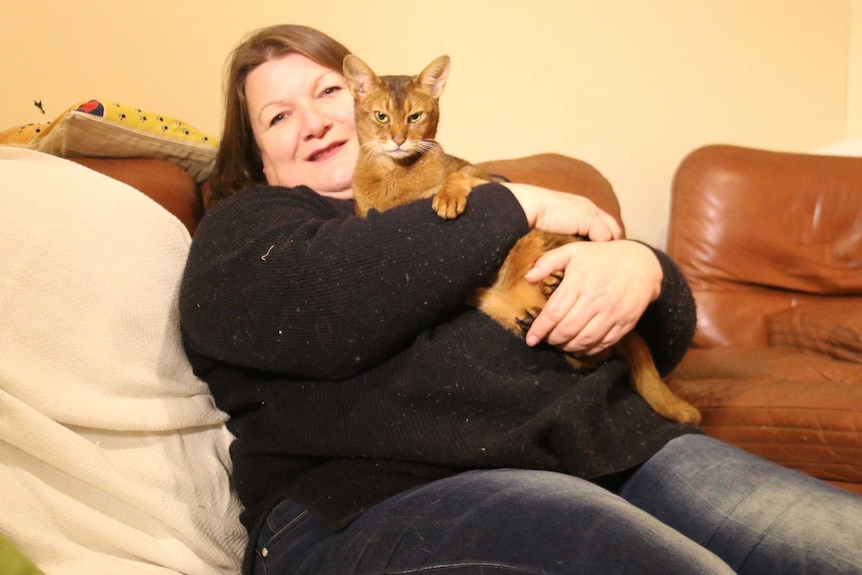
(113, 457)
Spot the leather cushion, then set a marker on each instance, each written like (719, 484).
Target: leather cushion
(833, 328)
(801, 410)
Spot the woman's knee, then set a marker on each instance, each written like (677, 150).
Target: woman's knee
(758, 516)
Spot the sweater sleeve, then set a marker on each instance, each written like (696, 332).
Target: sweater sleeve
(668, 323)
(284, 280)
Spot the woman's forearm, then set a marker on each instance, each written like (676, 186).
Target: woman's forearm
(293, 288)
(669, 322)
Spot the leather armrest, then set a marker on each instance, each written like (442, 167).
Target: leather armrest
(161, 180)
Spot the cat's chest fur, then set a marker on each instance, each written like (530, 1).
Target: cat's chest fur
(383, 182)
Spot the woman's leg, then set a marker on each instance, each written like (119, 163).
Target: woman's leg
(488, 522)
(759, 517)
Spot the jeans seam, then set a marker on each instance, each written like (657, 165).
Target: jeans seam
(291, 526)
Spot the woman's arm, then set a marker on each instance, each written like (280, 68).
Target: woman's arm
(285, 280)
(668, 324)
(564, 213)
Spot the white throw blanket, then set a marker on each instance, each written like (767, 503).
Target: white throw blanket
(113, 458)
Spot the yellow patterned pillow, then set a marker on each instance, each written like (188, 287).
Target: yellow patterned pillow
(102, 129)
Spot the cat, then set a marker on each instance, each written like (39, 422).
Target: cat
(400, 161)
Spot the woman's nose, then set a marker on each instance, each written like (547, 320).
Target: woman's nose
(316, 123)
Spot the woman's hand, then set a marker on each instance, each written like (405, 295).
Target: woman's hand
(564, 213)
(605, 290)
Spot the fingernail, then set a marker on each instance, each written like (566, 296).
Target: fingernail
(532, 340)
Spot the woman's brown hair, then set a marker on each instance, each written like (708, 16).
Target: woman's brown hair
(238, 164)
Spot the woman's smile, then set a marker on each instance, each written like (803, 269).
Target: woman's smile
(327, 152)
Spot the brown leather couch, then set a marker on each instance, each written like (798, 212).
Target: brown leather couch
(771, 244)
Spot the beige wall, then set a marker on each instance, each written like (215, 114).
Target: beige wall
(854, 73)
(628, 85)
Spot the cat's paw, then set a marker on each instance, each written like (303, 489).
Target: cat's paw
(550, 284)
(451, 200)
(449, 205)
(585, 363)
(525, 321)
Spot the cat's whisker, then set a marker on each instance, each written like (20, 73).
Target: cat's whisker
(373, 148)
(425, 147)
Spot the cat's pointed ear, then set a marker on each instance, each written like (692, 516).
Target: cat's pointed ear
(433, 77)
(359, 76)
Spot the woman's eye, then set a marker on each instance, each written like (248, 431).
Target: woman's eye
(277, 118)
(331, 90)
(381, 117)
(413, 118)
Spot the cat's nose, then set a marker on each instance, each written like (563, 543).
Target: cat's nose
(399, 139)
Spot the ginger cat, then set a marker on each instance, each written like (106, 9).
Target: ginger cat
(399, 162)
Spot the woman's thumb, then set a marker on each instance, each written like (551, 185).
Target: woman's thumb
(548, 263)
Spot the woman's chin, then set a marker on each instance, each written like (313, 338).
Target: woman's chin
(339, 183)
(338, 194)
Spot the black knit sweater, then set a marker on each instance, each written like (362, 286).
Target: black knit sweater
(351, 369)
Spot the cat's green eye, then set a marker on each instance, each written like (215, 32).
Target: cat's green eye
(413, 118)
(381, 117)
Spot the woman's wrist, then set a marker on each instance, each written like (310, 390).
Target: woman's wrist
(653, 267)
(525, 195)
(564, 213)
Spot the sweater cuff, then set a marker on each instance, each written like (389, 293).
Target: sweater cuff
(501, 201)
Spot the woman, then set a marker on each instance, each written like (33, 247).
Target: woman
(384, 427)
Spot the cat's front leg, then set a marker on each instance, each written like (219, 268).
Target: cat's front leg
(451, 200)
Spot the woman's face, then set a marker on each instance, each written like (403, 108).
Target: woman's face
(301, 114)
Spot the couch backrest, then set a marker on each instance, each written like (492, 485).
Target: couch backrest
(757, 232)
(559, 172)
(176, 191)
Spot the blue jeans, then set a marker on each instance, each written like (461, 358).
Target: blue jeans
(697, 507)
